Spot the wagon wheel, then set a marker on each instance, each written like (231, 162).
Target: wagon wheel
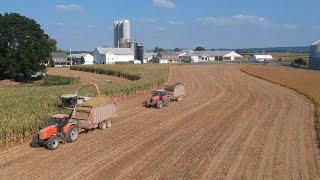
(159, 105)
(102, 125)
(108, 124)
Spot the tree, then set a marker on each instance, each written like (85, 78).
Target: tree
(200, 48)
(299, 62)
(24, 47)
(177, 50)
(157, 50)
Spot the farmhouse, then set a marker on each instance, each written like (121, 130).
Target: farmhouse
(260, 58)
(60, 59)
(196, 56)
(82, 58)
(103, 55)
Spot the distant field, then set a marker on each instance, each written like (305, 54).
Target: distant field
(24, 108)
(306, 82)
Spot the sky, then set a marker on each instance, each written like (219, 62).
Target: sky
(86, 24)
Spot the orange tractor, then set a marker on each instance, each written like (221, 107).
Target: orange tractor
(162, 97)
(59, 129)
(88, 113)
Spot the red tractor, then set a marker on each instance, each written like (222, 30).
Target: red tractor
(162, 97)
(60, 129)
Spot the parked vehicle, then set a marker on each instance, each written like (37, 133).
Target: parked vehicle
(88, 113)
(162, 97)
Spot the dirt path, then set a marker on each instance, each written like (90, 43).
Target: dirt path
(86, 77)
(229, 126)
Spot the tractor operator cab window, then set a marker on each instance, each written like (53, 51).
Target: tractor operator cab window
(60, 123)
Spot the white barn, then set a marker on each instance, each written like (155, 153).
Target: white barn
(77, 58)
(260, 58)
(103, 55)
(218, 55)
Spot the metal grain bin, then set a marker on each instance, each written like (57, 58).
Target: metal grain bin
(314, 62)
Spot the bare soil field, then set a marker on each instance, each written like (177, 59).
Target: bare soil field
(86, 77)
(229, 126)
(305, 81)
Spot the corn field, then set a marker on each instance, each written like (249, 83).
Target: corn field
(25, 109)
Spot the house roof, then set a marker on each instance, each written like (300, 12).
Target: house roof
(262, 56)
(316, 43)
(78, 55)
(171, 54)
(214, 53)
(116, 51)
(56, 55)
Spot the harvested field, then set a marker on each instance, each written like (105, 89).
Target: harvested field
(86, 77)
(304, 81)
(229, 126)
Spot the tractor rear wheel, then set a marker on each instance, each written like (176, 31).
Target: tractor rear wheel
(159, 105)
(53, 143)
(73, 134)
(35, 141)
(102, 126)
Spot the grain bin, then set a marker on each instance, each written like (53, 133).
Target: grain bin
(314, 62)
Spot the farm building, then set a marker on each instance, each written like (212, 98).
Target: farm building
(148, 56)
(260, 58)
(168, 57)
(314, 62)
(60, 59)
(82, 58)
(103, 55)
(190, 57)
(217, 55)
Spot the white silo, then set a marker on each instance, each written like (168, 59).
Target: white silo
(126, 30)
(116, 34)
(314, 62)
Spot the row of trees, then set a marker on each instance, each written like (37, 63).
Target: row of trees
(24, 47)
(199, 48)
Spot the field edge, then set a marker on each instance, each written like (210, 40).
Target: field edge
(316, 104)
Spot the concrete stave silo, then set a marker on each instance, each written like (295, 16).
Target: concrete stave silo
(314, 62)
(122, 36)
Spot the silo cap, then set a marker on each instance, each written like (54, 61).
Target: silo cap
(316, 43)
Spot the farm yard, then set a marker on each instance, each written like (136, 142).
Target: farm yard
(230, 125)
(25, 108)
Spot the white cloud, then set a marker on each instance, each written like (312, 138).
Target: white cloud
(145, 20)
(244, 20)
(213, 21)
(69, 8)
(164, 4)
(248, 19)
(175, 22)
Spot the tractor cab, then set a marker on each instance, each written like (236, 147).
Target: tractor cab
(159, 92)
(59, 120)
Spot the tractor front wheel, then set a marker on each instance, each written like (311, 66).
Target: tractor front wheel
(73, 134)
(35, 141)
(159, 105)
(53, 143)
